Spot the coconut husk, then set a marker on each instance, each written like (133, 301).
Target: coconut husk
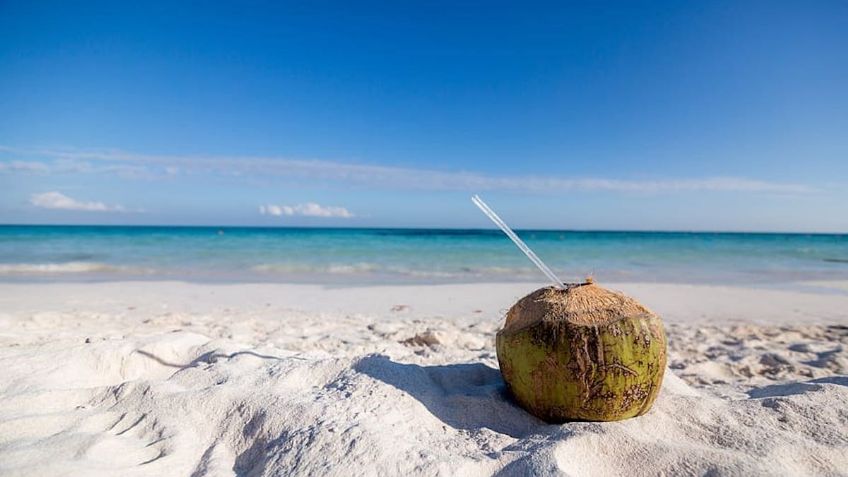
(582, 353)
(580, 304)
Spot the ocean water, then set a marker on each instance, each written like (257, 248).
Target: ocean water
(368, 256)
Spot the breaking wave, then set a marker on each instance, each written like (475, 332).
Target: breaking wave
(346, 269)
(372, 268)
(67, 267)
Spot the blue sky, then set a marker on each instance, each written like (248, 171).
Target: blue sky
(663, 115)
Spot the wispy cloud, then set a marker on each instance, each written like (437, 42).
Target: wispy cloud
(58, 200)
(309, 209)
(23, 166)
(252, 167)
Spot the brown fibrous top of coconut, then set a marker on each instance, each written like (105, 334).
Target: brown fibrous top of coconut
(579, 304)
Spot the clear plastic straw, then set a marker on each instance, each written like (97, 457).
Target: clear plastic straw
(518, 242)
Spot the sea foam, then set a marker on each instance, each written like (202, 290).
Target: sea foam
(67, 267)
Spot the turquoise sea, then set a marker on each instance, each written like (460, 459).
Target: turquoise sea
(367, 256)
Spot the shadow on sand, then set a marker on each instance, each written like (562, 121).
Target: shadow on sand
(209, 357)
(463, 396)
(789, 389)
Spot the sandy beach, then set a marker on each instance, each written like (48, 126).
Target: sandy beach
(173, 378)
(415, 239)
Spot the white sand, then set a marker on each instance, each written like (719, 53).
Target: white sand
(166, 378)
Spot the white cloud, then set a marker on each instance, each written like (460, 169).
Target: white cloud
(58, 200)
(264, 168)
(309, 209)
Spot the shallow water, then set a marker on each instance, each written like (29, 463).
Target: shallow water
(365, 256)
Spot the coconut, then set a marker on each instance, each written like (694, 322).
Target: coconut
(582, 352)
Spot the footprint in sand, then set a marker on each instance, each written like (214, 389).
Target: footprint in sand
(131, 440)
(83, 438)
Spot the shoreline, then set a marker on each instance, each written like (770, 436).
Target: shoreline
(78, 273)
(806, 302)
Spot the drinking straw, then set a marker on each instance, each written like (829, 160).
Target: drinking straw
(517, 241)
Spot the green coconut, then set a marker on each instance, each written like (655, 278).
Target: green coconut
(582, 353)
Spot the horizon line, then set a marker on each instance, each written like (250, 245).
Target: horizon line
(445, 228)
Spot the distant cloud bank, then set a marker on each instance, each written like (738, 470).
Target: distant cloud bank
(309, 209)
(58, 200)
(165, 167)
